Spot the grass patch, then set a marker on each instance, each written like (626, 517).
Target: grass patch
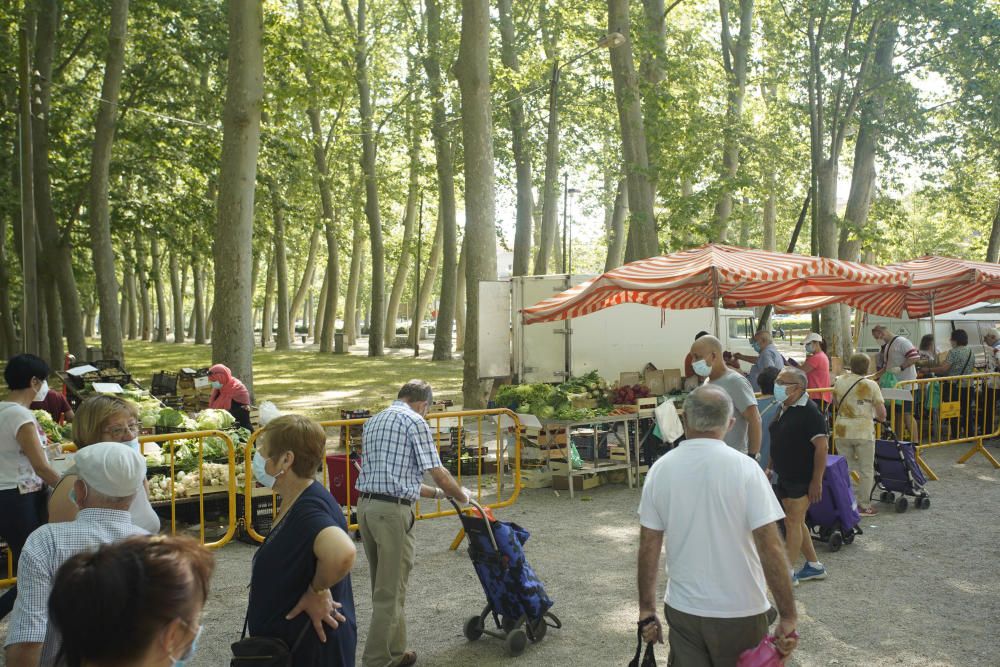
(307, 382)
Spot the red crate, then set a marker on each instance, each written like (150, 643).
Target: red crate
(336, 466)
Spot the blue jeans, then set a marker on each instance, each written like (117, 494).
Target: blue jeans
(20, 515)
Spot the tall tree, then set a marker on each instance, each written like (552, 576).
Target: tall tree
(56, 247)
(305, 284)
(359, 28)
(735, 55)
(409, 216)
(232, 327)
(156, 268)
(426, 283)
(549, 247)
(519, 143)
(642, 238)
(100, 228)
(446, 184)
(473, 72)
(177, 294)
(285, 313)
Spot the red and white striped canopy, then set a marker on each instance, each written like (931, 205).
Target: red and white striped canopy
(941, 284)
(700, 277)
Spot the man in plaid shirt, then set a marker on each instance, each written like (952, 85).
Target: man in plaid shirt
(108, 476)
(397, 449)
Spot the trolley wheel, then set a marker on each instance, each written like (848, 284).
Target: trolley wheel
(836, 540)
(849, 539)
(538, 629)
(473, 629)
(902, 504)
(884, 496)
(924, 503)
(516, 641)
(508, 623)
(890, 497)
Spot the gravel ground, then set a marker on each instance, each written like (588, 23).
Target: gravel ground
(920, 589)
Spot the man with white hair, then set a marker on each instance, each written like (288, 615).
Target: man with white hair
(717, 511)
(108, 475)
(799, 442)
(992, 340)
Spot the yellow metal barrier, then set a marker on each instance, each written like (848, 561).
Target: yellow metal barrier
(169, 442)
(951, 410)
(441, 430)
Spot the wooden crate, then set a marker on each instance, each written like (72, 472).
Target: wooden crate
(580, 482)
(536, 478)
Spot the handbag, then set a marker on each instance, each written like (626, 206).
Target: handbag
(764, 654)
(648, 659)
(264, 651)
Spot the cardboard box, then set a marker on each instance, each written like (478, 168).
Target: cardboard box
(629, 379)
(654, 380)
(581, 483)
(673, 380)
(536, 478)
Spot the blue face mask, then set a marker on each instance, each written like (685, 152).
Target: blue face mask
(260, 472)
(809, 347)
(755, 345)
(72, 496)
(133, 443)
(701, 367)
(216, 385)
(780, 393)
(189, 653)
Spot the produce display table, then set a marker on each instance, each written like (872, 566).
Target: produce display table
(596, 464)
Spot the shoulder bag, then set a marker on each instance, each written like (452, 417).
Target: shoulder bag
(647, 658)
(264, 651)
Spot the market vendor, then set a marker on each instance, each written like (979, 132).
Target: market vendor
(56, 405)
(230, 394)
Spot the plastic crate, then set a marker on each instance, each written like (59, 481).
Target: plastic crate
(262, 512)
(164, 384)
(336, 468)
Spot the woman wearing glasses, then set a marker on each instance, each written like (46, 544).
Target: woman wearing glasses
(104, 419)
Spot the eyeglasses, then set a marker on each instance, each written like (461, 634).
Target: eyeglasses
(789, 384)
(119, 432)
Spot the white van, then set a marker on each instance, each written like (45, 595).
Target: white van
(975, 320)
(614, 340)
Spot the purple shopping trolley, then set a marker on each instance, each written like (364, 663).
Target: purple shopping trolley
(835, 519)
(897, 472)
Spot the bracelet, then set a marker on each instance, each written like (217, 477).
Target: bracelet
(317, 591)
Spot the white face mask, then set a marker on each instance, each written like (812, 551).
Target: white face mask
(43, 391)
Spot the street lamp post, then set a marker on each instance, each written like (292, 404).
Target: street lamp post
(567, 254)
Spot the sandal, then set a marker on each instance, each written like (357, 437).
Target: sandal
(867, 511)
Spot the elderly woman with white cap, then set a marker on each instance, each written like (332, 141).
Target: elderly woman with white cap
(107, 477)
(817, 369)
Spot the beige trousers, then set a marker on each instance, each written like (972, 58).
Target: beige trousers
(860, 455)
(387, 534)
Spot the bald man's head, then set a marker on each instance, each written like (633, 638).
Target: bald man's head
(709, 349)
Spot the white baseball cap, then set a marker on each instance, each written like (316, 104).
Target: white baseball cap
(813, 338)
(110, 468)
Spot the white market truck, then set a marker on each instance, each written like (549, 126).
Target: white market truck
(622, 338)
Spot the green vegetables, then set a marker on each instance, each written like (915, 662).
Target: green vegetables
(170, 418)
(547, 401)
(52, 430)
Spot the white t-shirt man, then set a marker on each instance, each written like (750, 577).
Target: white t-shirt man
(708, 498)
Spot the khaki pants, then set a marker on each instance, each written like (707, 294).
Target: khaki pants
(387, 534)
(697, 641)
(860, 455)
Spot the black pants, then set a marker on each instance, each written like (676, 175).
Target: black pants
(20, 515)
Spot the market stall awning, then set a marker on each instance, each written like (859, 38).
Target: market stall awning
(701, 277)
(939, 285)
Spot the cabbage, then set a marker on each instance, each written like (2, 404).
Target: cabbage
(170, 417)
(214, 420)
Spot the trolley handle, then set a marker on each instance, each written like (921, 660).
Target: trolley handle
(482, 513)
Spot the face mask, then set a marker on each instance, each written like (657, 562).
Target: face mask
(189, 653)
(780, 393)
(809, 347)
(43, 391)
(701, 367)
(134, 444)
(72, 497)
(216, 385)
(755, 345)
(260, 472)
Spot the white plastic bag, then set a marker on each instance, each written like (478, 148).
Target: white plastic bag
(268, 411)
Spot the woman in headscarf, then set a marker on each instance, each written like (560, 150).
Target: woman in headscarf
(230, 394)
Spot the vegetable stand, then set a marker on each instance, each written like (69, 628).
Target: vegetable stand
(595, 464)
